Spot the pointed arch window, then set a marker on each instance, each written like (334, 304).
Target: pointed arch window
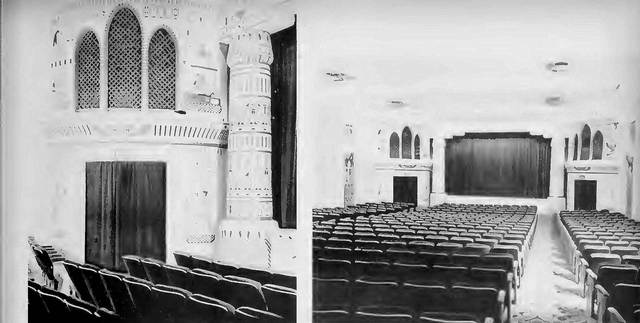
(597, 145)
(575, 147)
(406, 143)
(162, 71)
(124, 61)
(586, 143)
(416, 147)
(88, 72)
(394, 146)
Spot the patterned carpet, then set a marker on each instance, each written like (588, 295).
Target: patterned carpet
(547, 290)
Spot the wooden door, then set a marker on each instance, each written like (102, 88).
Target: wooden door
(585, 195)
(125, 211)
(405, 189)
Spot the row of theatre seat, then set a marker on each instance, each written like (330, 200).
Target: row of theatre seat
(321, 214)
(447, 263)
(154, 291)
(605, 251)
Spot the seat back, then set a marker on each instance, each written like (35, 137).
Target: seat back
(142, 296)
(623, 298)
(600, 259)
(96, 286)
(331, 316)
(286, 280)
(426, 298)
(241, 291)
(78, 281)
(118, 293)
(202, 263)
(480, 301)
(154, 271)
(368, 317)
(376, 293)
(205, 282)
(183, 259)
(171, 302)
(37, 311)
(80, 313)
(332, 268)
(203, 309)
(610, 275)
(134, 266)
(56, 306)
(178, 276)
(280, 300)
(224, 269)
(330, 294)
(498, 261)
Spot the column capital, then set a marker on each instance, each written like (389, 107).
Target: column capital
(249, 47)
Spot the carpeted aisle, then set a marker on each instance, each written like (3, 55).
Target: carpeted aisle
(547, 292)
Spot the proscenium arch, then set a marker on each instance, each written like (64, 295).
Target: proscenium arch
(585, 148)
(394, 146)
(406, 143)
(124, 60)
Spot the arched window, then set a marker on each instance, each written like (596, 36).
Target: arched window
(124, 61)
(406, 143)
(394, 146)
(597, 145)
(586, 143)
(162, 71)
(416, 147)
(88, 72)
(575, 147)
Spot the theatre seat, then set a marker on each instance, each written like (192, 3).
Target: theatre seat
(285, 280)
(78, 281)
(332, 268)
(178, 276)
(154, 270)
(240, 291)
(623, 298)
(369, 317)
(171, 303)
(426, 297)
(80, 311)
(280, 300)
(142, 296)
(134, 266)
(96, 286)
(331, 294)
(37, 311)
(183, 259)
(205, 282)
(202, 263)
(118, 293)
(56, 306)
(203, 309)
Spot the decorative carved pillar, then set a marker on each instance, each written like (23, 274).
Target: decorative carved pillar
(249, 193)
(438, 196)
(248, 235)
(556, 171)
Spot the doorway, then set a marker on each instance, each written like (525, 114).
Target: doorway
(585, 195)
(405, 189)
(125, 212)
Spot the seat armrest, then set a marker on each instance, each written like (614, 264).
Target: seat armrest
(591, 274)
(614, 316)
(602, 299)
(501, 296)
(601, 291)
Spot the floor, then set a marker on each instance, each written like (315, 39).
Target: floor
(547, 291)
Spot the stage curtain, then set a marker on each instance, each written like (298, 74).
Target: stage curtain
(498, 164)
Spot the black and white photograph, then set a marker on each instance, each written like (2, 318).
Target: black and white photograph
(321, 161)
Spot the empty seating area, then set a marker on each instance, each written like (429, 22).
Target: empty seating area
(152, 291)
(605, 251)
(360, 210)
(448, 263)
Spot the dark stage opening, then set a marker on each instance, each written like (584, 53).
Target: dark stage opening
(498, 164)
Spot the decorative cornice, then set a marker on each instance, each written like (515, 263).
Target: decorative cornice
(592, 166)
(405, 165)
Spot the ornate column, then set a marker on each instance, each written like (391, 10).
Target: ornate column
(438, 196)
(248, 236)
(249, 194)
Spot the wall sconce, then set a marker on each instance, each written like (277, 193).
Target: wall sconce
(558, 66)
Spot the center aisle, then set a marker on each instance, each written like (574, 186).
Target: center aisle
(547, 292)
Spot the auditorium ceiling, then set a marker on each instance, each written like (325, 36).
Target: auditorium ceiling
(475, 60)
